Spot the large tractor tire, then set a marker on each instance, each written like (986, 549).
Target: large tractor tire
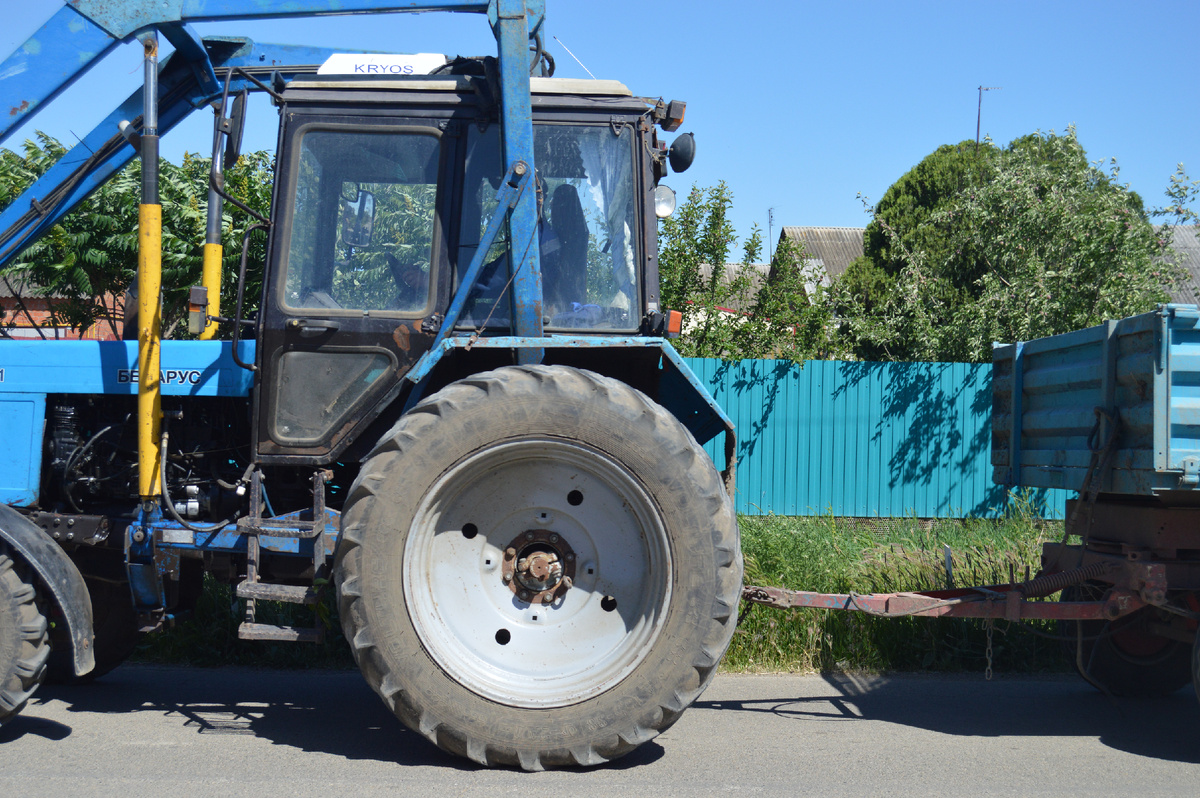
(1124, 656)
(539, 567)
(24, 645)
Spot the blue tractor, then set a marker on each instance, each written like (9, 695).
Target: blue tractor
(455, 404)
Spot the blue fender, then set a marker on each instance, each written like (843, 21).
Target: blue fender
(60, 578)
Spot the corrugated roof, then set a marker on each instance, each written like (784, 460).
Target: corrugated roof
(1186, 243)
(830, 248)
(758, 276)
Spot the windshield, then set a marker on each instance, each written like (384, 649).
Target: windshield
(586, 232)
(381, 190)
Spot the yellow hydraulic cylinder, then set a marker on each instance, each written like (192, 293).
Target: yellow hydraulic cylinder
(210, 278)
(149, 348)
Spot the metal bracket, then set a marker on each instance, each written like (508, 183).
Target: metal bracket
(1191, 473)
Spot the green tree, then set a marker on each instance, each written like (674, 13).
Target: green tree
(92, 251)
(910, 206)
(1039, 241)
(730, 310)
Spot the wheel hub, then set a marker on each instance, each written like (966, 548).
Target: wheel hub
(538, 566)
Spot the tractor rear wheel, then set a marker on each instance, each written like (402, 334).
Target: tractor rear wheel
(539, 567)
(24, 645)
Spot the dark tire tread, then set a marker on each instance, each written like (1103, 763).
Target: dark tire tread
(25, 647)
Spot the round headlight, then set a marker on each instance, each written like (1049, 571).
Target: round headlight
(664, 201)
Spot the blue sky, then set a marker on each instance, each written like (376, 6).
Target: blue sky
(798, 106)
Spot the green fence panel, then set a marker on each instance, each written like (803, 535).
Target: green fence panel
(863, 439)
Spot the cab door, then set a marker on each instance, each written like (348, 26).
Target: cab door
(358, 256)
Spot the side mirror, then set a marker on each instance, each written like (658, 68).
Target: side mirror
(683, 152)
(358, 220)
(236, 126)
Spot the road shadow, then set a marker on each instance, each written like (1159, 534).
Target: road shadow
(332, 712)
(24, 725)
(1160, 728)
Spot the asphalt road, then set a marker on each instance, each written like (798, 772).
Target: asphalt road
(150, 731)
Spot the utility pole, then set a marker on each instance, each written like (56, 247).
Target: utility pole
(770, 234)
(979, 111)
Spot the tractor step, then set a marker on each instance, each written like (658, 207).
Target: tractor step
(265, 591)
(282, 634)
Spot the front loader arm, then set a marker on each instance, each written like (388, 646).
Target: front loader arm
(104, 151)
(83, 31)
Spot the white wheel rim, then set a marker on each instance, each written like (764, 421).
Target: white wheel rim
(479, 631)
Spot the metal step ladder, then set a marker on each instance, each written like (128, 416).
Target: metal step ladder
(291, 526)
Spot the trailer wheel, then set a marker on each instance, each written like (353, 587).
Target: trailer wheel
(24, 646)
(539, 567)
(1124, 656)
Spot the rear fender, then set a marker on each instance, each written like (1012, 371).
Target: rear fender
(59, 578)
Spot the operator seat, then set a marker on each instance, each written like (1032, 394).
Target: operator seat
(566, 277)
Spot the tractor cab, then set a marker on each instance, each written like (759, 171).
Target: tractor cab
(385, 189)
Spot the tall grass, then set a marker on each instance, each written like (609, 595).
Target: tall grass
(824, 554)
(836, 555)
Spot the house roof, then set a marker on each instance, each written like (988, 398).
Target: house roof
(1186, 243)
(829, 248)
(758, 275)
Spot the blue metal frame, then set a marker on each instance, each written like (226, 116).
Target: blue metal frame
(515, 22)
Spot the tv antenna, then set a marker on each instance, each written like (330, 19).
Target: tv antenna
(577, 61)
(979, 111)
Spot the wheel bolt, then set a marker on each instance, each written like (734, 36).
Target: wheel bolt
(507, 578)
(554, 538)
(510, 553)
(546, 599)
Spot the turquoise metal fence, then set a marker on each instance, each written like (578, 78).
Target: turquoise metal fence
(862, 439)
